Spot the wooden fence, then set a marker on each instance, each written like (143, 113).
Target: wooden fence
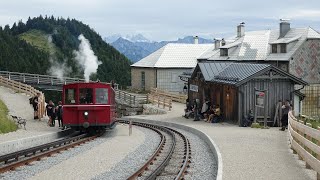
(174, 96)
(303, 119)
(131, 98)
(29, 90)
(161, 101)
(305, 141)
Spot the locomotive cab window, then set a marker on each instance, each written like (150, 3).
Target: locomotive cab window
(70, 97)
(85, 95)
(101, 96)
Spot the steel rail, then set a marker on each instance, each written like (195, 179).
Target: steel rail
(164, 163)
(32, 151)
(70, 144)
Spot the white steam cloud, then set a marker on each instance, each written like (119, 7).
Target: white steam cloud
(59, 70)
(86, 58)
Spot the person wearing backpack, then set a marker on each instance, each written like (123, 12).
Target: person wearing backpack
(59, 112)
(50, 111)
(35, 104)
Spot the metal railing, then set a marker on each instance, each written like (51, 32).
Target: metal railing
(305, 141)
(28, 78)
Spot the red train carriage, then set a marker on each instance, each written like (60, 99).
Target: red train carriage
(89, 105)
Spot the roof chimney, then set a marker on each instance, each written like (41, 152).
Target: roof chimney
(223, 42)
(284, 27)
(216, 43)
(196, 40)
(240, 29)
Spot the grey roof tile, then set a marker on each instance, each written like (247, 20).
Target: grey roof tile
(236, 73)
(174, 56)
(255, 45)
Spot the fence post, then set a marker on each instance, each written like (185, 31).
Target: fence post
(158, 101)
(134, 100)
(164, 103)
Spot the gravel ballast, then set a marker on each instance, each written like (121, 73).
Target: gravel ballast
(85, 161)
(133, 161)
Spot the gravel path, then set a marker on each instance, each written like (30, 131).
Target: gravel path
(18, 105)
(247, 153)
(85, 161)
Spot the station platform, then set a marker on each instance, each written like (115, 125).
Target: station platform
(247, 153)
(18, 105)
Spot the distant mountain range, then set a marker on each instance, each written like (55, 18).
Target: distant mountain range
(137, 46)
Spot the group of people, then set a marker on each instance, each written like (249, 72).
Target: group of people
(207, 112)
(52, 111)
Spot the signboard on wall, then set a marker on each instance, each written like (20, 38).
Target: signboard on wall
(260, 95)
(193, 88)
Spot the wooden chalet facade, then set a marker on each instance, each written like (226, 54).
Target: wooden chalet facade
(232, 86)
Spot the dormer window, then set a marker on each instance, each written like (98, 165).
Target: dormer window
(223, 52)
(273, 48)
(283, 48)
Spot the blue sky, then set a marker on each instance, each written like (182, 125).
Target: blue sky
(169, 19)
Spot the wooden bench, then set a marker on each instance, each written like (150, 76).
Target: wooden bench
(260, 119)
(20, 121)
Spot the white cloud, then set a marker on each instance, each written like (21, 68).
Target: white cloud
(167, 19)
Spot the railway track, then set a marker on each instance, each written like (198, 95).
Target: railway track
(16, 159)
(171, 158)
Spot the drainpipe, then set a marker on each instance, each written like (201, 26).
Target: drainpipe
(240, 97)
(292, 95)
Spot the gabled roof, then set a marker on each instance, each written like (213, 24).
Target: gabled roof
(174, 56)
(238, 73)
(255, 45)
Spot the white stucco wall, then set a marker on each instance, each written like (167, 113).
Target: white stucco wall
(168, 79)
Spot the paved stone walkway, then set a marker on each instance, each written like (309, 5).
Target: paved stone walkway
(247, 153)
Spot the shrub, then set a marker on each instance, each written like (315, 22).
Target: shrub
(255, 125)
(6, 125)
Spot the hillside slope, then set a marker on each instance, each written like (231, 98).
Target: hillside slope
(30, 39)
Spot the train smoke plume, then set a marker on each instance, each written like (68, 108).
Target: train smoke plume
(59, 70)
(86, 58)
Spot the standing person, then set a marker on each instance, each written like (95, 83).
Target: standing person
(50, 113)
(35, 104)
(59, 114)
(285, 110)
(112, 84)
(196, 109)
(185, 88)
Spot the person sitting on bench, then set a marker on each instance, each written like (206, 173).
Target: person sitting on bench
(217, 114)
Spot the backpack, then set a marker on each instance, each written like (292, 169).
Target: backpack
(31, 100)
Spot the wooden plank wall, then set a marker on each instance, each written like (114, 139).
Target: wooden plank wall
(277, 90)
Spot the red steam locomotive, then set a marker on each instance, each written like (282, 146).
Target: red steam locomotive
(89, 106)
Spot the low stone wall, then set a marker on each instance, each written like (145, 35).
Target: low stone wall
(20, 144)
(149, 109)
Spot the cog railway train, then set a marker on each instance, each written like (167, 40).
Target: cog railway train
(89, 106)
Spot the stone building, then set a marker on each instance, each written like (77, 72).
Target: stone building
(162, 68)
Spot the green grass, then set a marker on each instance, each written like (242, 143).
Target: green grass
(6, 125)
(38, 38)
(256, 125)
